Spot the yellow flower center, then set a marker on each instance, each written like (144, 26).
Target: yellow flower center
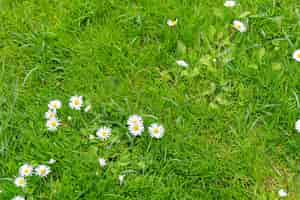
(298, 56)
(55, 105)
(136, 128)
(21, 181)
(26, 171)
(104, 134)
(42, 171)
(76, 102)
(156, 131)
(53, 123)
(238, 26)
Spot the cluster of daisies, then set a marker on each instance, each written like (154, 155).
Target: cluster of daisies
(75, 103)
(28, 170)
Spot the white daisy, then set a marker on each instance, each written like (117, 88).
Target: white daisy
(182, 63)
(50, 114)
(229, 3)
(172, 23)
(20, 182)
(42, 170)
(76, 102)
(103, 133)
(133, 119)
(54, 105)
(121, 179)
(52, 124)
(136, 129)
(240, 26)
(87, 108)
(297, 125)
(25, 170)
(51, 161)
(282, 193)
(102, 162)
(156, 131)
(18, 198)
(296, 55)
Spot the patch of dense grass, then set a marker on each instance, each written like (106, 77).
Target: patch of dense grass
(229, 117)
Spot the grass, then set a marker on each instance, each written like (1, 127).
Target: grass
(229, 117)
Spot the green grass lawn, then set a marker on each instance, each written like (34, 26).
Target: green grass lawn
(229, 117)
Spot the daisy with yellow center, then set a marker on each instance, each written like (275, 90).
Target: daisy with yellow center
(55, 104)
(172, 23)
(240, 26)
(50, 114)
(42, 170)
(136, 129)
(103, 133)
(25, 170)
(18, 198)
(296, 55)
(76, 102)
(52, 124)
(20, 182)
(156, 131)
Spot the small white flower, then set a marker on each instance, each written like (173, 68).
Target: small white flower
(18, 198)
(51, 161)
(172, 23)
(76, 102)
(156, 131)
(52, 124)
(69, 118)
(133, 119)
(103, 133)
(121, 179)
(102, 162)
(136, 129)
(240, 26)
(54, 105)
(20, 182)
(229, 3)
(91, 137)
(25, 170)
(182, 63)
(88, 108)
(50, 114)
(296, 55)
(42, 170)
(297, 125)
(282, 193)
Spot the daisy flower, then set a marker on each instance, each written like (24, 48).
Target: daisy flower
(20, 182)
(18, 198)
(121, 179)
(50, 114)
(51, 161)
(229, 4)
(76, 102)
(52, 124)
(25, 170)
(136, 129)
(172, 23)
(54, 105)
(297, 125)
(156, 131)
(296, 55)
(102, 162)
(282, 193)
(240, 26)
(103, 133)
(133, 119)
(182, 63)
(42, 170)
